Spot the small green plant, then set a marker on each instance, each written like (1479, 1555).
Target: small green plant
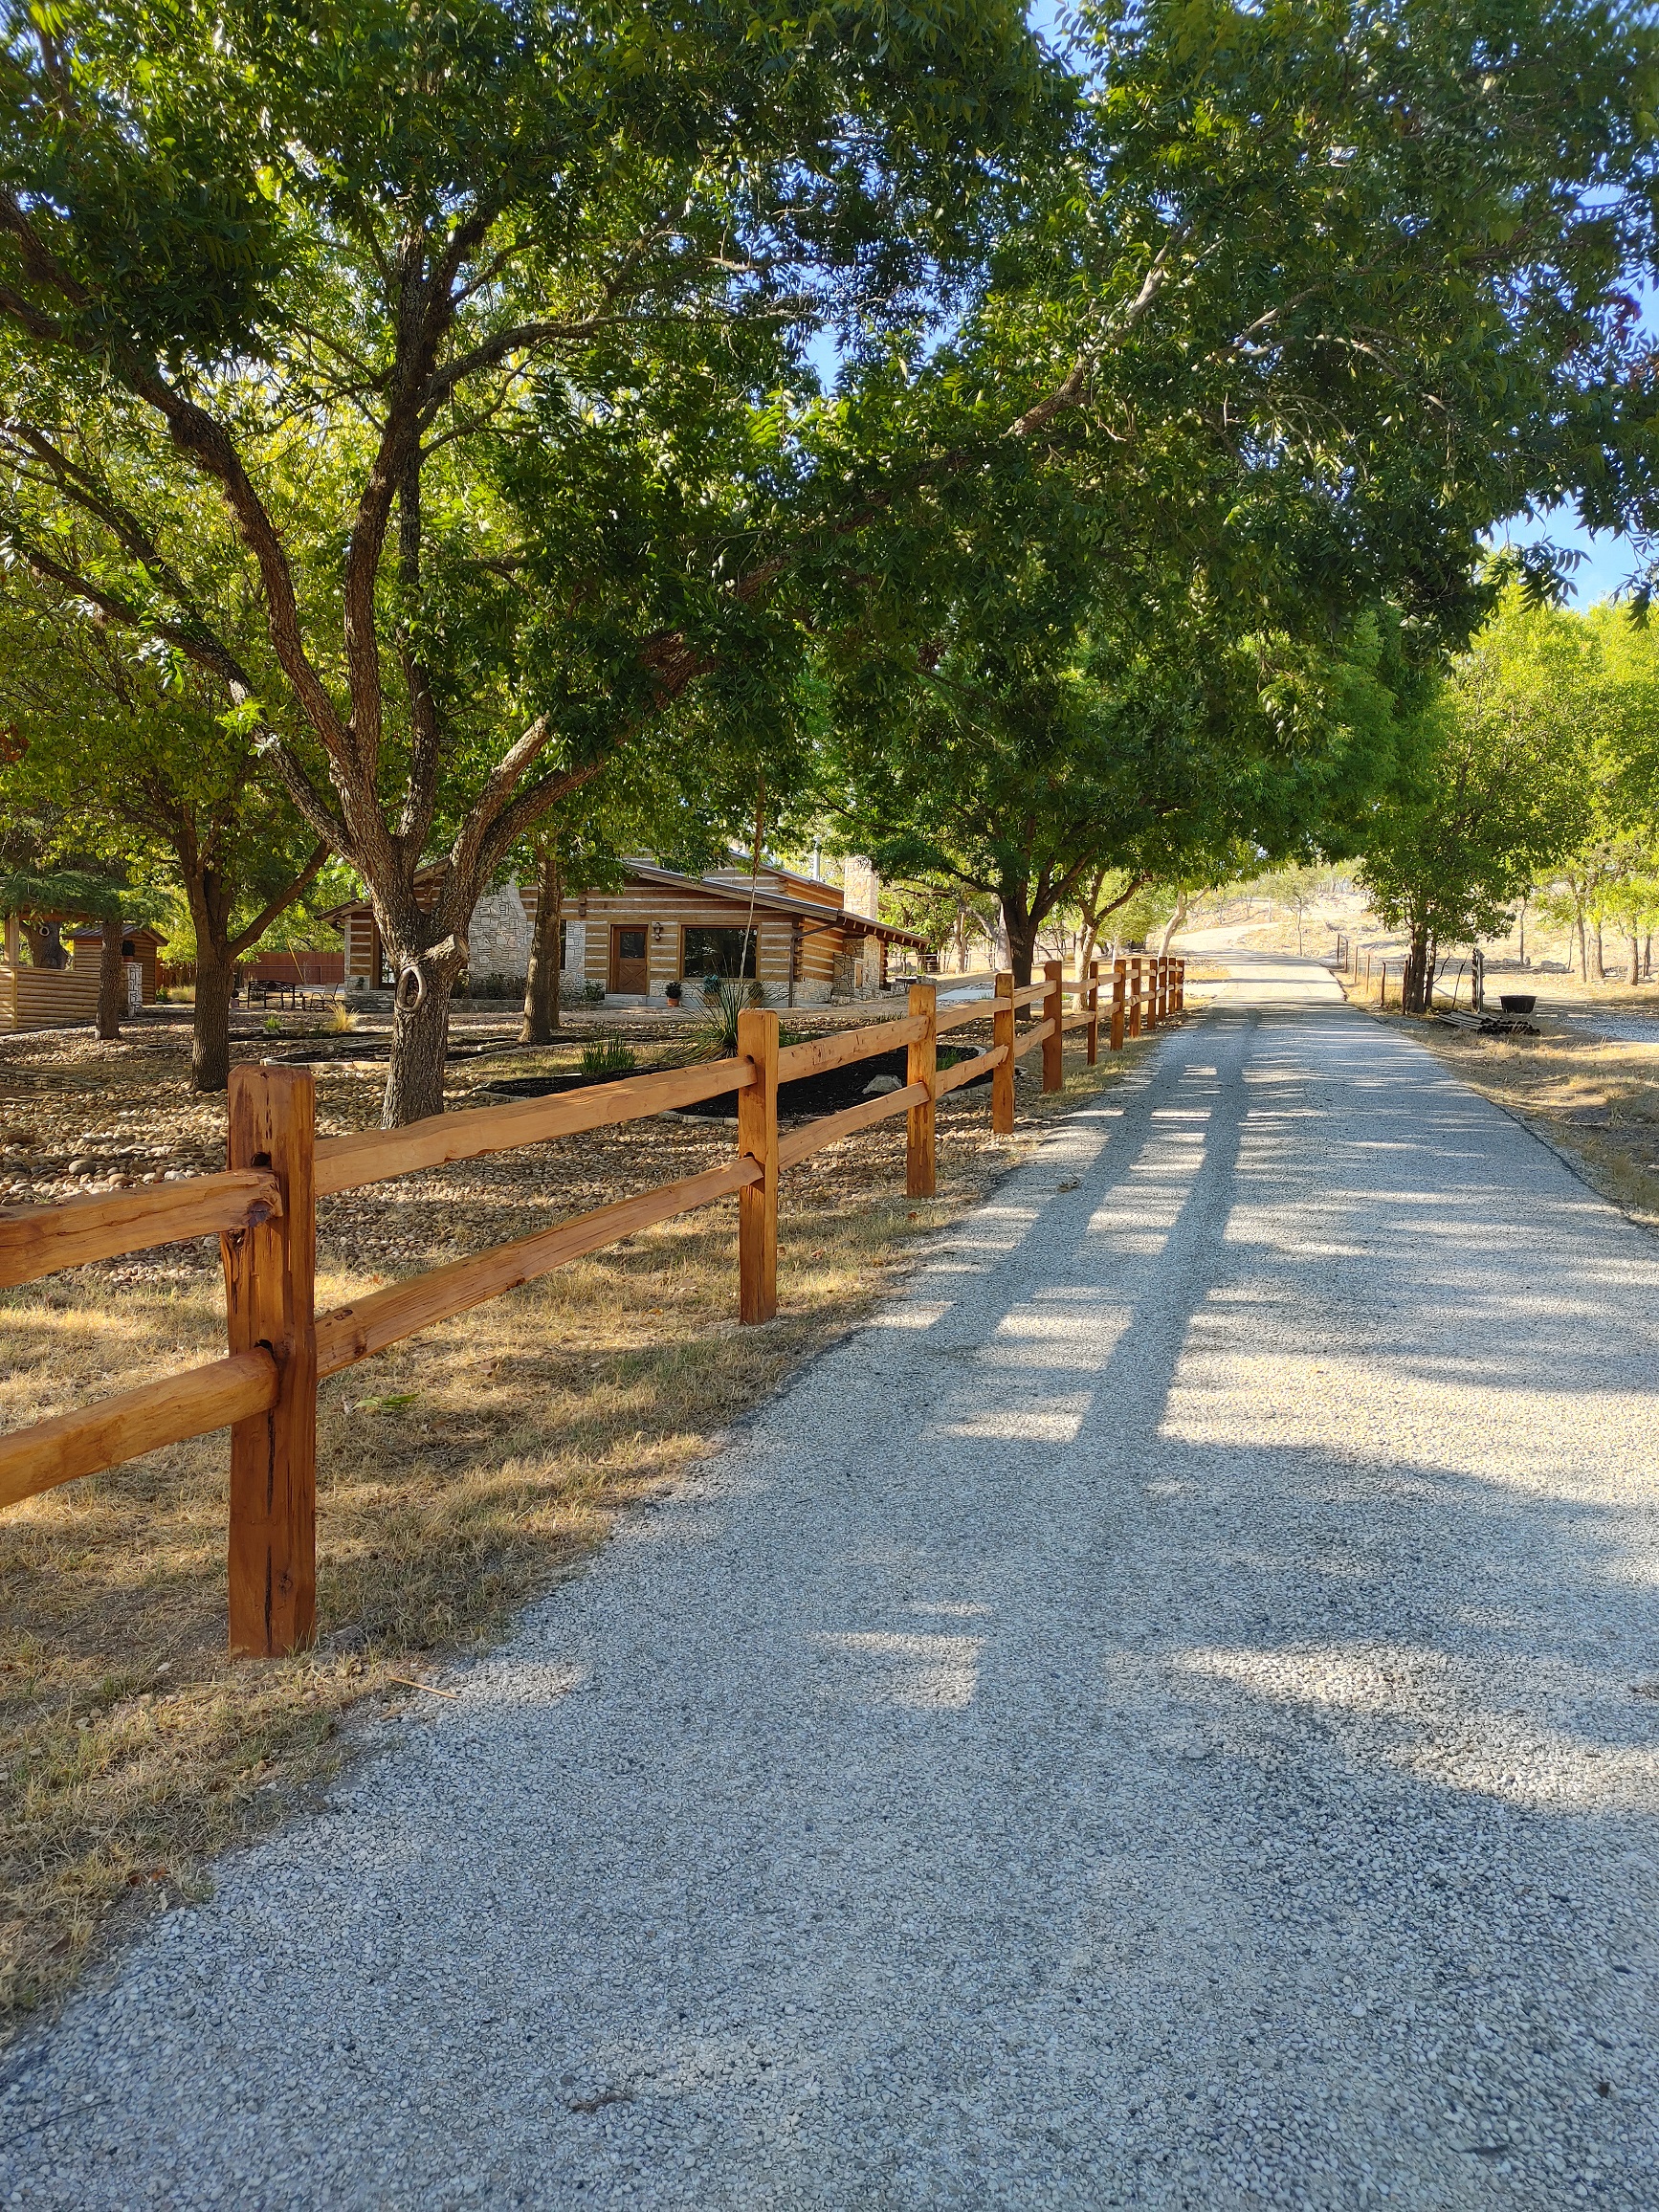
(272, 1026)
(164, 996)
(608, 1056)
(725, 996)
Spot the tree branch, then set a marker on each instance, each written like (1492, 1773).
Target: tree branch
(300, 884)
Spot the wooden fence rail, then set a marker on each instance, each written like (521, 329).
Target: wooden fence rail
(263, 1209)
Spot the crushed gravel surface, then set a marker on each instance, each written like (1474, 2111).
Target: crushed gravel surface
(1164, 1717)
(1620, 1028)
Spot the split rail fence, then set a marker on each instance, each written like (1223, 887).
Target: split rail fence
(263, 1209)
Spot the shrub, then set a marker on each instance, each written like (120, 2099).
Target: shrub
(341, 1021)
(273, 1025)
(593, 994)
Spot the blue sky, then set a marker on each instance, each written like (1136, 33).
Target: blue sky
(1607, 562)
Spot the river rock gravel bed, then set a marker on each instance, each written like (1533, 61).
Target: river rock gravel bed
(1161, 1718)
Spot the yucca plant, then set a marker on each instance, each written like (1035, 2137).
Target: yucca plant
(725, 996)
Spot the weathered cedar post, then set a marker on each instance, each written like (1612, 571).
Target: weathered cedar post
(1181, 986)
(921, 1067)
(1119, 978)
(1053, 1013)
(1003, 1073)
(1163, 1008)
(270, 1295)
(758, 1140)
(1135, 995)
(1092, 1003)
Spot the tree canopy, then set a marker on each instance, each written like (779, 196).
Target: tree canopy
(488, 337)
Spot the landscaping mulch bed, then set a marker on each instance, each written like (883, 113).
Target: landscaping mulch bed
(804, 1098)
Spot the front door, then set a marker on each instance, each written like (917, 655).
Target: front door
(628, 959)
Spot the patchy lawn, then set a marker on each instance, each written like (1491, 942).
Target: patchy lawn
(460, 1473)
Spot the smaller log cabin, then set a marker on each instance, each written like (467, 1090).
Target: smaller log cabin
(50, 975)
(802, 941)
(140, 947)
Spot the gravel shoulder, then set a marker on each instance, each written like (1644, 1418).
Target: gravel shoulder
(1158, 1717)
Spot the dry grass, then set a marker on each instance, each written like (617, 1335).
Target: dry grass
(1550, 1080)
(460, 1473)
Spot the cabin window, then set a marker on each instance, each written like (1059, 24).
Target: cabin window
(719, 952)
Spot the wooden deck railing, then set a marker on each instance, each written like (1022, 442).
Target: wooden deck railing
(264, 1210)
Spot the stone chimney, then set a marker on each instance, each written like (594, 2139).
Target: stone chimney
(860, 887)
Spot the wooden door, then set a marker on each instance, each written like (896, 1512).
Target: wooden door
(627, 963)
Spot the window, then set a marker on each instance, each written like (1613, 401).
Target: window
(719, 952)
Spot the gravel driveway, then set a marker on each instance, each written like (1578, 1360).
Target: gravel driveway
(1157, 1719)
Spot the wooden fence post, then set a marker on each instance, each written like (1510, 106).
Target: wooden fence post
(1135, 994)
(1181, 986)
(1003, 1073)
(921, 1067)
(757, 1139)
(1054, 1011)
(1092, 1003)
(1120, 982)
(270, 1301)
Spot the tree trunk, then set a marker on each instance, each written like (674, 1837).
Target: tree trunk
(211, 1029)
(542, 983)
(420, 1038)
(1414, 983)
(1021, 931)
(111, 982)
(1523, 933)
(1600, 955)
(1635, 954)
(1583, 949)
(1177, 919)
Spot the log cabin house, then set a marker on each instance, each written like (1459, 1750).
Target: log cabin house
(49, 974)
(805, 944)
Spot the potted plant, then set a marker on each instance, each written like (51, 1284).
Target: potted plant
(674, 991)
